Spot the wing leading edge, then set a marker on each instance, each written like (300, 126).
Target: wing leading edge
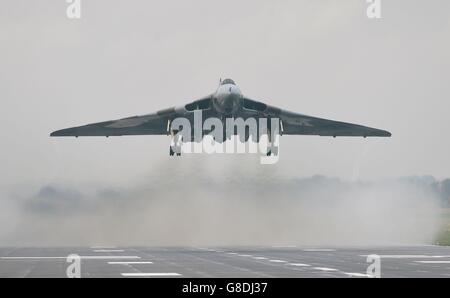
(150, 124)
(299, 124)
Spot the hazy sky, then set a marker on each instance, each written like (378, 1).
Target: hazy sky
(322, 58)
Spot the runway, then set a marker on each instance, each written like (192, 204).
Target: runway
(230, 262)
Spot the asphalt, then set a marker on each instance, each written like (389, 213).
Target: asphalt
(231, 262)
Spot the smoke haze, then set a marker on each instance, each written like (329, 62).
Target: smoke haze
(234, 203)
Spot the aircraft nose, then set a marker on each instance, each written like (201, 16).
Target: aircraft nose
(228, 102)
(231, 102)
(233, 90)
(228, 98)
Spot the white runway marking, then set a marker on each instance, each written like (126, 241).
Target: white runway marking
(103, 247)
(245, 255)
(82, 257)
(325, 269)
(298, 264)
(142, 274)
(318, 249)
(433, 262)
(277, 261)
(284, 246)
(357, 274)
(129, 263)
(408, 256)
(232, 253)
(260, 258)
(108, 250)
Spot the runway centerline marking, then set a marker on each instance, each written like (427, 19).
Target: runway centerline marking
(108, 250)
(318, 249)
(408, 256)
(260, 258)
(152, 274)
(299, 264)
(82, 257)
(129, 263)
(245, 255)
(325, 269)
(277, 261)
(433, 262)
(355, 274)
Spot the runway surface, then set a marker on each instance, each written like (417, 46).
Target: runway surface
(231, 262)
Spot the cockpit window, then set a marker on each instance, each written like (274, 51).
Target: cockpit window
(228, 81)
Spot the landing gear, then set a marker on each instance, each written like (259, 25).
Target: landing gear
(175, 144)
(171, 151)
(272, 149)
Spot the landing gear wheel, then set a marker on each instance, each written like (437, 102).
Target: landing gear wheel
(175, 150)
(272, 150)
(175, 144)
(275, 150)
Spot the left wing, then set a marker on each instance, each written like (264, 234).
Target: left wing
(299, 124)
(150, 124)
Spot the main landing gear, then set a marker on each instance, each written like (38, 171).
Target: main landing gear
(272, 149)
(175, 145)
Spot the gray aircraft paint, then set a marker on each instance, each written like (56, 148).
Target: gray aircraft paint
(226, 103)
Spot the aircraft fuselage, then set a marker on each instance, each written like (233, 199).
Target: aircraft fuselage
(227, 99)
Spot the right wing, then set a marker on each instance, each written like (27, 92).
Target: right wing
(299, 124)
(150, 124)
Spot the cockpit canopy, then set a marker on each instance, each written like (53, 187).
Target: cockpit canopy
(227, 81)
